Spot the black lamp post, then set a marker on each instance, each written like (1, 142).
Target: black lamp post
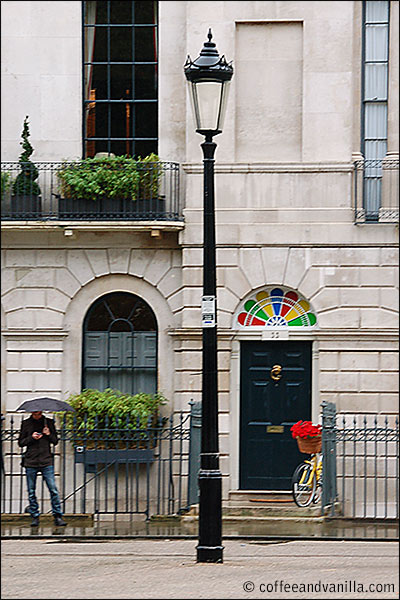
(208, 79)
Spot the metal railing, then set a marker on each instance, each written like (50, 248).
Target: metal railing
(360, 465)
(123, 469)
(43, 197)
(376, 191)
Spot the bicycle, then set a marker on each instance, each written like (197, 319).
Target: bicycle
(307, 481)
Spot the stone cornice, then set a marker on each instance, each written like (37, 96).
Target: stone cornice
(388, 335)
(328, 167)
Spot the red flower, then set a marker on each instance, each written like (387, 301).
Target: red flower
(305, 429)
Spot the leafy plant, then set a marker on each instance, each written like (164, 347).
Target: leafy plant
(112, 410)
(150, 172)
(5, 183)
(120, 177)
(25, 184)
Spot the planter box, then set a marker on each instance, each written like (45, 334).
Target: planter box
(25, 205)
(110, 208)
(92, 458)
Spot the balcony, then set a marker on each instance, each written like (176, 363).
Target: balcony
(78, 192)
(376, 191)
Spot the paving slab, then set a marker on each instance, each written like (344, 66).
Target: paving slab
(155, 569)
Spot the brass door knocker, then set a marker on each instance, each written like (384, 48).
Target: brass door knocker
(276, 372)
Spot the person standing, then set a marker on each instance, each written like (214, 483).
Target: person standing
(37, 433)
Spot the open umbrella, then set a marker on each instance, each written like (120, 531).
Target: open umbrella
(45, 405)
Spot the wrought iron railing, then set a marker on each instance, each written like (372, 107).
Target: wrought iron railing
(376, 191)
(43, 196)
(112, 469)
(360, 468)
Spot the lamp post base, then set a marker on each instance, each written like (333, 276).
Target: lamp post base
(210, 554)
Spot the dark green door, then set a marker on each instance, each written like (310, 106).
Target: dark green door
(275, 394)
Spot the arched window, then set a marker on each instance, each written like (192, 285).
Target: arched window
(120, 345)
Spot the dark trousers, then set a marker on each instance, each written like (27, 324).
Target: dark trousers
(48, 476)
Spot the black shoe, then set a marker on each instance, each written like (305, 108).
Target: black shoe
(35, 522)
(58, 521)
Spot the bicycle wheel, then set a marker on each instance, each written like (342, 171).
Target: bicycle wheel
(303, 485)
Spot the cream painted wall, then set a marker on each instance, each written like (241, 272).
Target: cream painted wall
(41, 77)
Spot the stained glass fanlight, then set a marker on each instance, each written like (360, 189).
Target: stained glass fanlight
(276, 307)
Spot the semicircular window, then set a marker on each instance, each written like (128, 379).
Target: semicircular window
(276, 307)
(120, 345)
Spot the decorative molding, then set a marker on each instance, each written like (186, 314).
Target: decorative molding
(329, 167)
(117, 226)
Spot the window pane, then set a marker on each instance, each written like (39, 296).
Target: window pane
(99, 81)
(377, 11)
(97, 49)
(102, 120)
(145, 12)
(120, 305)
(121, 81)
(143, 149)
(121, 11)
(375, 120)
(375, 150)
(376, 82)
(121, 148)
(372, 195)
(121, 44)
(145, 44)
(121, 120)
(146, 118)
(146, 82)
(376, 42)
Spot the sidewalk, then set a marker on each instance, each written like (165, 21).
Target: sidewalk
(187, 527)
(155, 569)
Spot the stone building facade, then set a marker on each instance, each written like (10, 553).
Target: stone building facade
(285, 214)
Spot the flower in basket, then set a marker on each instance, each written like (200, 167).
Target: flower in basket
(305, 429)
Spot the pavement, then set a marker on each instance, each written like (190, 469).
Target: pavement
(60, 568)
(135, 526)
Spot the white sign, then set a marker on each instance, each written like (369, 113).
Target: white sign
(208, 311)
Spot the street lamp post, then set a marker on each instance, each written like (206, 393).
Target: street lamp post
(208, 80)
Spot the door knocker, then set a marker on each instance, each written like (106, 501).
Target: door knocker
(276, 372)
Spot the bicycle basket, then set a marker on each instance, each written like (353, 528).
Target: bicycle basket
(310, 445)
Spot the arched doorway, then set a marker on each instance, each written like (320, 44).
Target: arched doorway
(120, 345)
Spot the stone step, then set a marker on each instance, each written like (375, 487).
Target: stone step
(260, 496)
(258, 504)
(271, 511)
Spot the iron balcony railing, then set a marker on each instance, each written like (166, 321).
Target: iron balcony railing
(376, 191)
(149, 193)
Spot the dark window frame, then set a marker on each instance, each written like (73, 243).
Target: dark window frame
(132, 102)
(128, 326)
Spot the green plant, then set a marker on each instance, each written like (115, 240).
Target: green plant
(25, 184)
(120, 177)
(150, 171)
(94, 178)
(5, 183)
(111, 410)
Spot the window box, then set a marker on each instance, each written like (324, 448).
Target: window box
(92, 458)
(73, 208)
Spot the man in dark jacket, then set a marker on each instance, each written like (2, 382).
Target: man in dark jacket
(37, 433)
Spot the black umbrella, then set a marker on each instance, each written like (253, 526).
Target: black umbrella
(45, 404)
